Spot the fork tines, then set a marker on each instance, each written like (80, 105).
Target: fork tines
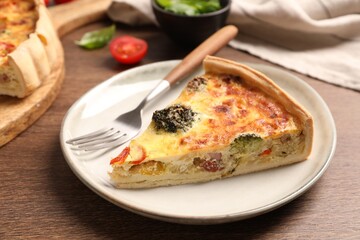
(103, 138)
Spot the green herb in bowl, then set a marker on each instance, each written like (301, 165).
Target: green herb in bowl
(190, 7)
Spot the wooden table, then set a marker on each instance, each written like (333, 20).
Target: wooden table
(41, 198)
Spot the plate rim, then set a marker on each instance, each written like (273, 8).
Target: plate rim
(201, 220)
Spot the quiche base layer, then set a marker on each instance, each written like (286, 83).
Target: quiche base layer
(33, 59)
(174, 170)
(157, 158)
(139, 181)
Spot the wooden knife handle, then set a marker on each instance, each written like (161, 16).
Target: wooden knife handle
(210, 46)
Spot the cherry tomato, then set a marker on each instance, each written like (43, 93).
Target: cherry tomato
(122, 156)
(62, 1)
(140, 154)
(128, 50)
(266, 152)
(47, 2)
(6, 48)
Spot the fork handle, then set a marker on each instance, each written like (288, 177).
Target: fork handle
(210, 46)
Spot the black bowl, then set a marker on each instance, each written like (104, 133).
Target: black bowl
(191, 30)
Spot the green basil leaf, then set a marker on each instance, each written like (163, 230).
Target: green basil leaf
(98, 38)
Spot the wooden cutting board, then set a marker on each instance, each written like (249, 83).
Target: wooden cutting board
(16, 115)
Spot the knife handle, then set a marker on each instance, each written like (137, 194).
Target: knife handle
(210, 46)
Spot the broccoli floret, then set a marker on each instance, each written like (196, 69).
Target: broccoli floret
(246, 143)
(173, 118)
(196, 84)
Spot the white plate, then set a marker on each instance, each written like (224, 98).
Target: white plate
(208, 203)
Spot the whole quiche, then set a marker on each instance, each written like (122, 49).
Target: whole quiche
(29, 46)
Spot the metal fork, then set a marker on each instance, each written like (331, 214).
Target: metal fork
(127, 125)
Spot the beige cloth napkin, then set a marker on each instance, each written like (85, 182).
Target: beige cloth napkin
(320, 38)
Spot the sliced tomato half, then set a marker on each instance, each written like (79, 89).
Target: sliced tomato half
(128, 49)
(6, 48)
(62, 1)
(121, 157)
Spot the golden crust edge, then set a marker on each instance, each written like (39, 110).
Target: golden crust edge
(36, 57)
(257, 79)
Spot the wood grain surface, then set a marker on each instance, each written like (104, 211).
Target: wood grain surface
(41, 198)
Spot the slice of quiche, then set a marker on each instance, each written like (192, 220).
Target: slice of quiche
(232, 120)
(29, 46)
